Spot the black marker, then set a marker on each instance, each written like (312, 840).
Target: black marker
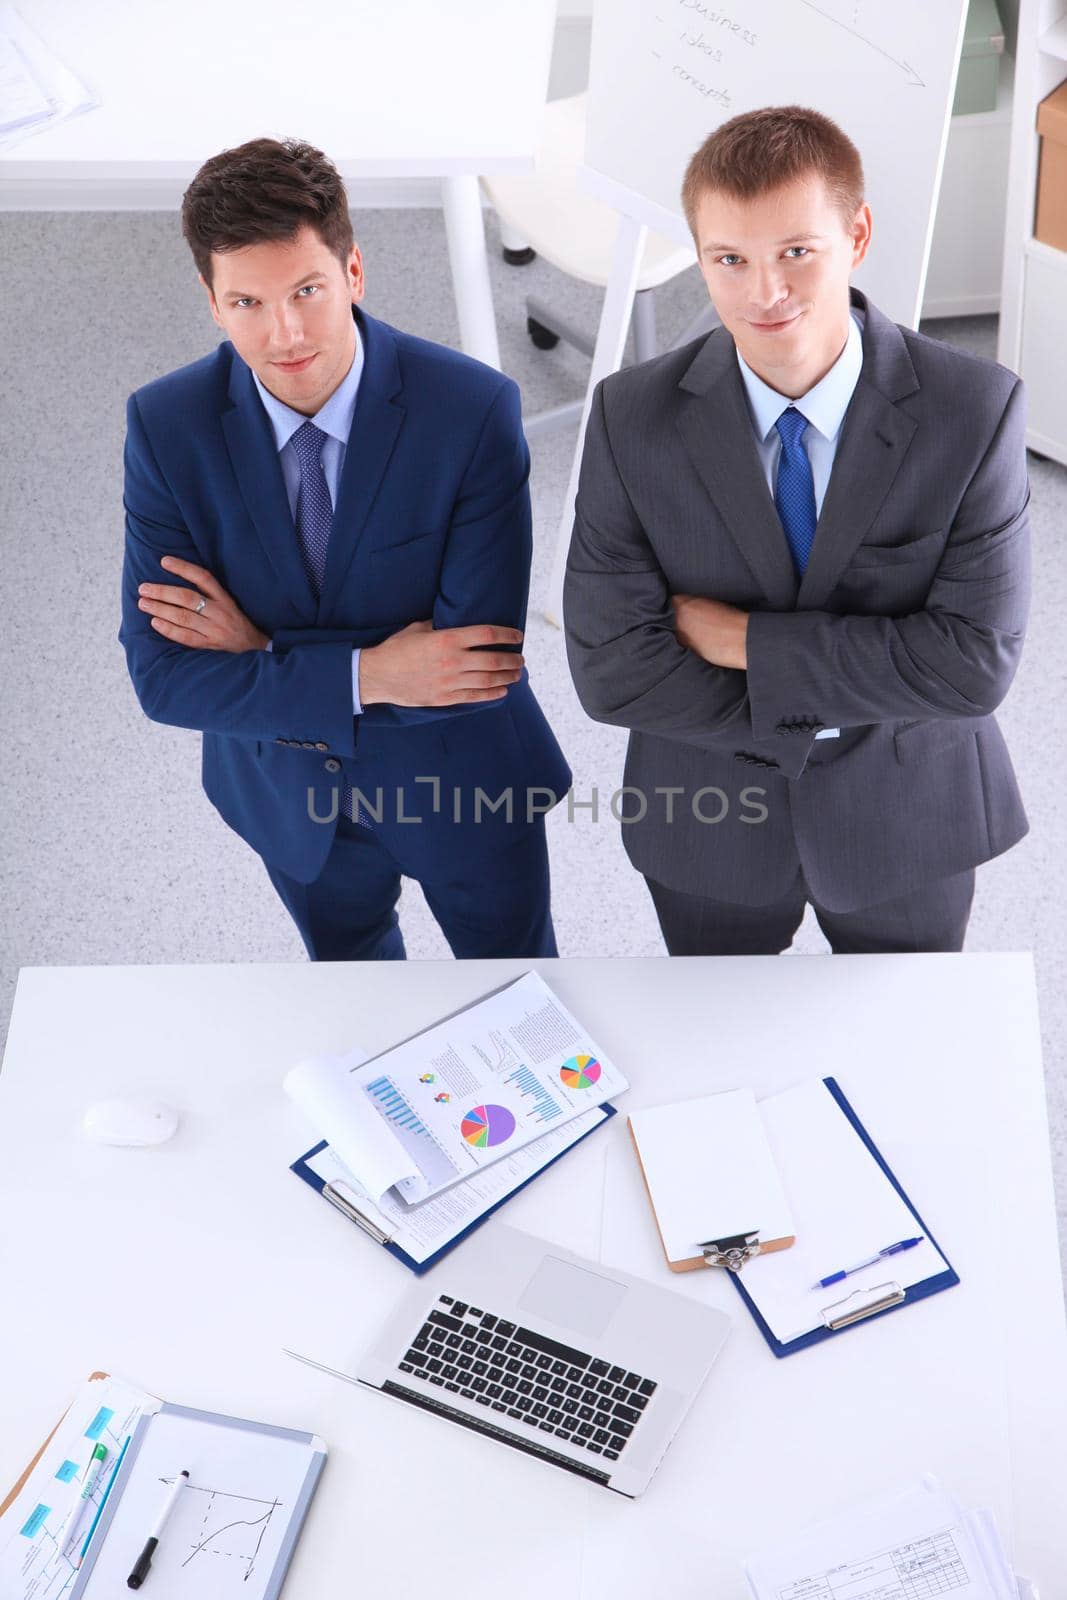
(144, 1560)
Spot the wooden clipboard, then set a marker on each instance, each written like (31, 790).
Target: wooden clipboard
(692, 1262)
(10, 1498)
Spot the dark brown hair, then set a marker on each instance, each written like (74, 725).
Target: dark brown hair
(761, 150)
(265, 189)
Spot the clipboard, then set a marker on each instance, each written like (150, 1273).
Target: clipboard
(706, 1164)
(851, 1309)
(349, 1202)
(293, 1513)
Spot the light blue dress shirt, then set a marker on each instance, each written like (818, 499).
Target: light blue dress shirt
(824, 405)
(335, 420)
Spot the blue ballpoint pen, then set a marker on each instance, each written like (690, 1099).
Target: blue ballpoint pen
(890, 1250)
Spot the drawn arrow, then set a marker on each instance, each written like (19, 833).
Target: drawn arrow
(914, 79)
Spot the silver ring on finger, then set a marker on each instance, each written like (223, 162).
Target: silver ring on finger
(201, 603)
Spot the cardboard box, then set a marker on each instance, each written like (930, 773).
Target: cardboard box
(1050, 225)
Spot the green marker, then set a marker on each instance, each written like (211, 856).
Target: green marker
(69, 1531)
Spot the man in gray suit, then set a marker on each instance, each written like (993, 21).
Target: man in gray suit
(800, 576)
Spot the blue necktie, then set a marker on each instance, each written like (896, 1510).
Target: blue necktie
(794, 493)
(314, 523)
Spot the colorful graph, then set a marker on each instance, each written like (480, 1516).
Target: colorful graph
(487, 1125)
(580, 1072)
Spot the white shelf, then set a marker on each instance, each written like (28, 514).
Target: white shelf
(1037, 251)
(1054, 41)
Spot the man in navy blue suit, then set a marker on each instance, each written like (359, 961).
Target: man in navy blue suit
(327, 562)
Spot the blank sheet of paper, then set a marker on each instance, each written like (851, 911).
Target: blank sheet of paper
(710, 1172)
(844, 1207)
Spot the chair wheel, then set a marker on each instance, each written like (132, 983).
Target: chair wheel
(542, 337)
(519, 258)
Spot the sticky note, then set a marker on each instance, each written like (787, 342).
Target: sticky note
(99, 1423)
(35, 1521)
(68, 1472)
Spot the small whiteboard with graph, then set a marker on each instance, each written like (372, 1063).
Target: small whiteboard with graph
(235, 1523)
(665, 73)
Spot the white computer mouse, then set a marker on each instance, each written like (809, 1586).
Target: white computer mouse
(129, 1122)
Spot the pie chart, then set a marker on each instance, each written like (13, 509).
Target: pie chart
(487, 1125)
(580, 1072)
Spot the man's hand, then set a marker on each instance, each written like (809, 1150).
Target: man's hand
(218, 625)
(424, 666)
(712, 629)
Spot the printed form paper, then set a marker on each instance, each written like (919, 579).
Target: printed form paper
(32, 1564)
(913, 1545)
(458, 1097)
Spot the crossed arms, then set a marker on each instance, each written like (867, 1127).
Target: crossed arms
(706, 674)
(210, 668)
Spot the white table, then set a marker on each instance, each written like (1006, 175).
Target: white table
(199, 1260)
(421, 90)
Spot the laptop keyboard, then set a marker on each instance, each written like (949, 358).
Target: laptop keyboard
(543, 1385)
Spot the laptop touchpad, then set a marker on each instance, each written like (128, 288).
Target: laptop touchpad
(571, 1297)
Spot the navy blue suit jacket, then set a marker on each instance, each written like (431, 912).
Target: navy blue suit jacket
(432, 520)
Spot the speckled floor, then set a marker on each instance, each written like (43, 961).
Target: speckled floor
(112, 853)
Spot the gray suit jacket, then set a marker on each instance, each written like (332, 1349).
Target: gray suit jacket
(905, 631)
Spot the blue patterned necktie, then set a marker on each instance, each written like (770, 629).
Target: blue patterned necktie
(794, 493)
(314, 523)
(314, 512)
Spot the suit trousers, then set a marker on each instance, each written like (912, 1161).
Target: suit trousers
(348, 913)
(933, 917)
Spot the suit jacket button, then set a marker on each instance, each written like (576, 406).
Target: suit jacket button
(279, 741)
(321, 746)
(332, 765)
(739, 755)
(307, 744)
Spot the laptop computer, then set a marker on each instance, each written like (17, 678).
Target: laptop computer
(586, 1367)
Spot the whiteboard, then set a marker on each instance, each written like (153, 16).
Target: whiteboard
(665, 73)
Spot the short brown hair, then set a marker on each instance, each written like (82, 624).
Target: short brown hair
(265, 189)
(760, 150)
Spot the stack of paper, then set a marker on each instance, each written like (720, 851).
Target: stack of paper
(36, 88)
(917, 1542)
(465, 1094)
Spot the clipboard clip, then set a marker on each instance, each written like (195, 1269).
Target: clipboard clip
(732, 1252)
(862, 1303)
(349, 1208)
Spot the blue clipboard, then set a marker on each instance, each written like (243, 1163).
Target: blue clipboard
(917, 1291)
(302, 1170)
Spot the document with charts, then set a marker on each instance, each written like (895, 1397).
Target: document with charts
(457, 1097)
(918, 1544)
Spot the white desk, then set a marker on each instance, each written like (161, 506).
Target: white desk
(420, 90)
(203, 1258)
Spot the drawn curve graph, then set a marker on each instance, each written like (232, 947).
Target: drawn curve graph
(231, 1526)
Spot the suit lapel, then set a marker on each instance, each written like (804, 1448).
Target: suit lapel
(875, 436)
(378, 418)
(250, 441)
(716, 427)
(717, 431)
